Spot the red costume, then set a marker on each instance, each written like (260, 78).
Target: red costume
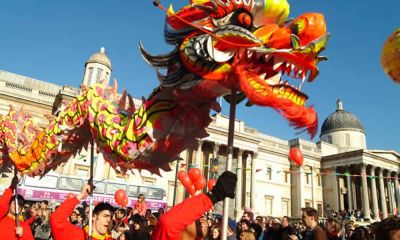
(62, 229)
(172, 223)
(7, 221)
(141, 208)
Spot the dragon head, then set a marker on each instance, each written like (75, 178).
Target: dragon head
(246, 45)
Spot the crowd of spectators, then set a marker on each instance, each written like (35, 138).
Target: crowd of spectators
(139, 222)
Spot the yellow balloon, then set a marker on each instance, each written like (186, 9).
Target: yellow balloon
(390, 58)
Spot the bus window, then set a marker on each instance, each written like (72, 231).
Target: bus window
(72, 184)
(143, 190)
(155, 193)
(133, 191)
(44, 182)
(113, 187)
(100, 187)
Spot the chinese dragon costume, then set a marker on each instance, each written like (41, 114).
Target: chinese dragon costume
(247, 46)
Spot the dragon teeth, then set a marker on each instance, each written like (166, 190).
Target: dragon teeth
(262, 75)
(277, 64)
(274, 79)
(267, 57)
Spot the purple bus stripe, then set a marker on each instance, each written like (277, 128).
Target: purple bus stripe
(31, 194)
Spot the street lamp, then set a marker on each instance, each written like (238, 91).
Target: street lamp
(176, 180)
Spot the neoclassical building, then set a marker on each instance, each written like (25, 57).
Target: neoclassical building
(338, 172)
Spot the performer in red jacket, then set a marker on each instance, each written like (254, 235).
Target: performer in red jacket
(184, 221)
(62, 229)
(8, 229)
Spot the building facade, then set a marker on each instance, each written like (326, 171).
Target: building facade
(338, 172)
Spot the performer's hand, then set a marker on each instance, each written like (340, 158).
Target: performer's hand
(86, 190)
(19, 231)
(225, 187)
(14, 182)
(293, 237)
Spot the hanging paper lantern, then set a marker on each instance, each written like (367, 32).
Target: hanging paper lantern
(390, 58)
(120, 196)
(296, 156)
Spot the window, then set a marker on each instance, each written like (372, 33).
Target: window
(329, 139)
(308, 203)
(319, 179)
(268, 205)
(285, 207)
(148, 181)
(347, 136)
(72, 184)
(143, 190)
(98, 75)
(82, 172)
(90, 73)
(307, 176)
(155, 193)
(45, 182)
(286, 176)
(319, 208)
(100, 187)
(107, 73)
(269, 173)
(113, 187)
(133, 191)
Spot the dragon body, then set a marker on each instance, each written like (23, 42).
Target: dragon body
(246, 46)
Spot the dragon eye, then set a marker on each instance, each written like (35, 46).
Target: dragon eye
(244, 19)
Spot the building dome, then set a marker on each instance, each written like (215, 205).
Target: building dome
(341, 120)
(100, 57)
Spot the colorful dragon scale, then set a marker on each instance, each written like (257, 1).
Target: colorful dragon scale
(248, 46)
(146, 138)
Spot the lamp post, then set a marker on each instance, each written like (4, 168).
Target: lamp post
(176, 180)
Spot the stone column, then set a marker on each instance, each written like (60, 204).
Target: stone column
(198, 158)
(239, 192)
(374, 195)
(99, 170)
(393, 192)
(396, 189)
(389, 191)
(364, 184)
(382, 194)
(335, 188)
(253, 182)
(349, 190)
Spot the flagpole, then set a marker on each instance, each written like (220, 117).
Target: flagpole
(90, 182)
(231, 131)
(176, 180)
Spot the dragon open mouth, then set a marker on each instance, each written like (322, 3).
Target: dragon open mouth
(270, 74)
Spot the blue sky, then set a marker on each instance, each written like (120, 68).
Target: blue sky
(51, 40)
